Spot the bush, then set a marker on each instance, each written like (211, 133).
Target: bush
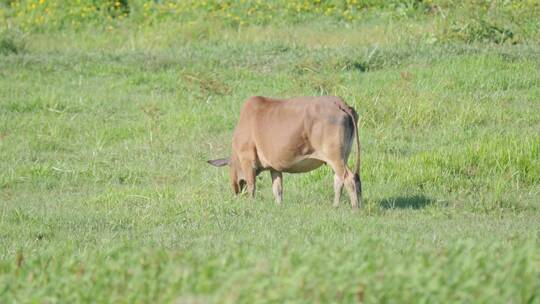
(479, 30)
(11, 42)
(492, 22)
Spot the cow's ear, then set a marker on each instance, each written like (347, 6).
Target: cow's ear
(219, 162)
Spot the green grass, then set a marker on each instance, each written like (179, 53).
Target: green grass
(105, 195)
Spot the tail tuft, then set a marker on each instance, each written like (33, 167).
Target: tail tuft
(358, 182)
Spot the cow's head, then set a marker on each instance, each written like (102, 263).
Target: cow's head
(236, 175)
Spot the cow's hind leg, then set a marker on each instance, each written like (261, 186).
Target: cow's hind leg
(277, 187)
(338, 187)
(351, 184)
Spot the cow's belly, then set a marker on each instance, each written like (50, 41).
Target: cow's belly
(304, 165)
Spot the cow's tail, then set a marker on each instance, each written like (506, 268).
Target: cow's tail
(357, 164)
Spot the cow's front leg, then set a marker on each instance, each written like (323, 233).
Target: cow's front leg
(277, 187)
(249, 172)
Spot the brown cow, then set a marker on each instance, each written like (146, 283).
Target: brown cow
(294, 135)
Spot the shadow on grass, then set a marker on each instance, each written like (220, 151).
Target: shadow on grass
(406, 202)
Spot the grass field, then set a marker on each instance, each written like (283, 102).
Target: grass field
(105, 195)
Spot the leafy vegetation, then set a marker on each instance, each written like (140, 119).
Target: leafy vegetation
(109, 110)
(496, 21)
